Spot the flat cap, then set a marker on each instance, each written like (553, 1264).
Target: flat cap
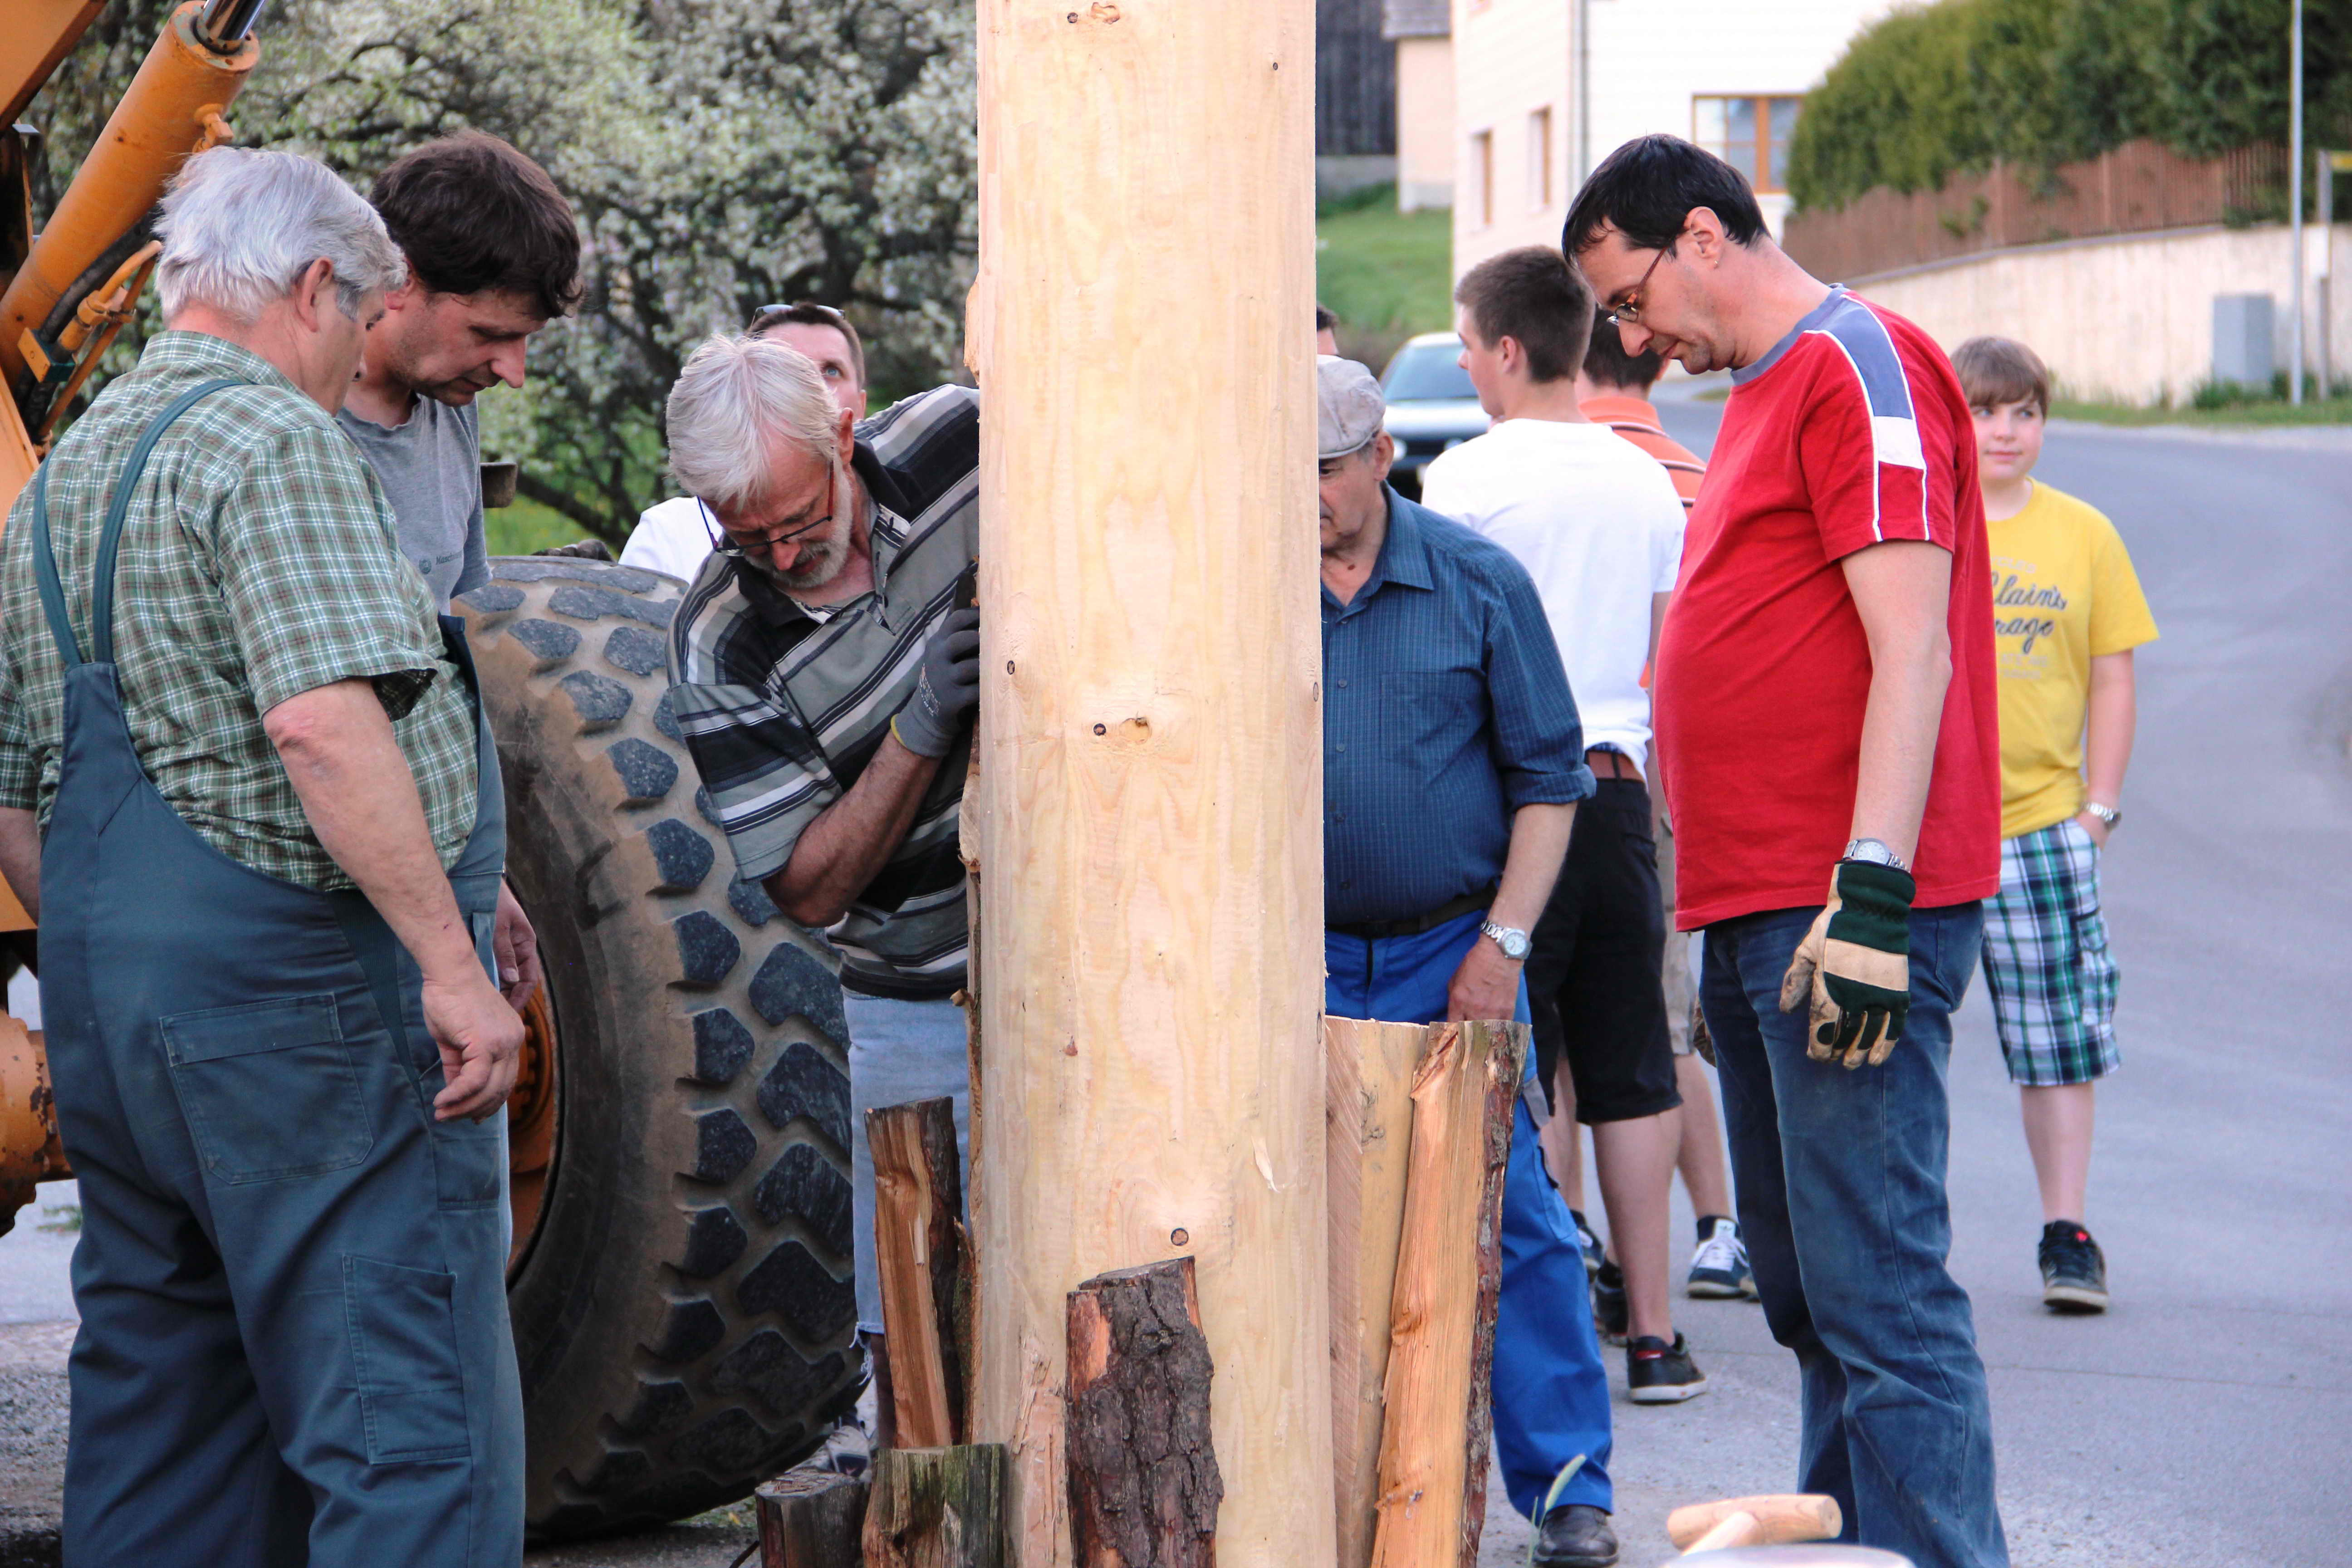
(1349, 406)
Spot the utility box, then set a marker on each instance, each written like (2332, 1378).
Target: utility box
(2244, 351)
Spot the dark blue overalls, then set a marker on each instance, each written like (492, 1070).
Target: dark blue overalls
(294, 1342)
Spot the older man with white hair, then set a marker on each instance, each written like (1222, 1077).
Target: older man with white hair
(246, 786)
(826, 661)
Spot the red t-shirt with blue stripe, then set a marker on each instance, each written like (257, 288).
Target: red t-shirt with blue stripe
(1853, 430)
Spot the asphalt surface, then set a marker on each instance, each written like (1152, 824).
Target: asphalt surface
(2207, 1419)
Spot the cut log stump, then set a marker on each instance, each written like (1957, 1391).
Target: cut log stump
(940, 1508)
(810, 1519)
(919, 1252)
(1144, 1484)
(1367, 1138)
(1439, 1411)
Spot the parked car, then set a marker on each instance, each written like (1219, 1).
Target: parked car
(1431, 405)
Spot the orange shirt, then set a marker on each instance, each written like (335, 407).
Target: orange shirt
(1634, 418)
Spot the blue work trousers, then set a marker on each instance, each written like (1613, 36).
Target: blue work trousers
(1552, 1394)
(1841, 1204)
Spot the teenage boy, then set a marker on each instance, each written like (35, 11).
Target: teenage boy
(1614, 389)
(1826, 715)
(2067, 612)
(1600, 529)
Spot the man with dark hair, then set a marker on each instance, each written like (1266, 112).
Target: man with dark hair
(1599, 529)
(1327, 331)
(1825, 679)
(1614, 390)
(492, 254)
(675, 536)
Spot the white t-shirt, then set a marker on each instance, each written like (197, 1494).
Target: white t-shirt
(671, 537)
(1598, 525)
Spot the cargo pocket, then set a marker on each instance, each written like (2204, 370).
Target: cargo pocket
(271, 1089)
(403, 1327)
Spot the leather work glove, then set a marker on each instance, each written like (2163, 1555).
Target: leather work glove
(1855, 965)
(946, 691)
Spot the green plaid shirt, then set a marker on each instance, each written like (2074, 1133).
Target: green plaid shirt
(257, 562)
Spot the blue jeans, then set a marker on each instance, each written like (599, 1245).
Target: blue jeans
(1552, 1395)
(1841, 1204)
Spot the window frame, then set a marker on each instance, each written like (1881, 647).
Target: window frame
(1758, 167)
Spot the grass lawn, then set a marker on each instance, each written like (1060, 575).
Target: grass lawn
(1386, 274)
(2337, 410)
(525, 526)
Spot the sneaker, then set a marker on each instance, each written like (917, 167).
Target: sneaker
(1609, 1309)
(1657, 1372)
(1588, 1243)
(1719, 1268)
(1573, 1535)
(2074, 1269)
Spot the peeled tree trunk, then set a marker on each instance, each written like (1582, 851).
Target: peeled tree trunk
(1150, 788)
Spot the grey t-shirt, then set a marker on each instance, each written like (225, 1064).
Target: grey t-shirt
(432, 468)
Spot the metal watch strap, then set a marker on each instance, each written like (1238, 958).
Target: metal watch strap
(1500, 934)
(2110, 814)
(1874, 852)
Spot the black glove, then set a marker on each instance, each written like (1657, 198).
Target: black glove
(582, 549)
(1855, 965)
(946, 691)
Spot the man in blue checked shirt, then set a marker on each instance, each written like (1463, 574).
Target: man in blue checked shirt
(1452, 762)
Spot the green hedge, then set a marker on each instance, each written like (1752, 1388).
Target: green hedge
(1950, 86)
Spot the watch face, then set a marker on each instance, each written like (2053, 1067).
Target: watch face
(1515, 945)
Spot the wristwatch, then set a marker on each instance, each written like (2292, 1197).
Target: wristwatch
(1874, 852)
(1512, 941)
(2106, 814)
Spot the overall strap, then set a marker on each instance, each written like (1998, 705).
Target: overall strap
(110, 541)
(45, 571)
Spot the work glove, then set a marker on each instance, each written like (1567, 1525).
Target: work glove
(946, 691)
(1855, 965)
(580, 549)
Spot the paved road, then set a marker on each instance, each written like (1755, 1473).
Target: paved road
(2207, 1420)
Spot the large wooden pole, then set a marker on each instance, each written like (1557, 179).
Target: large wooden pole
(1150, 787)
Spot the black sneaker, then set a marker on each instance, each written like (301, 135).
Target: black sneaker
(1588, 1244)
(2074, 1269)
(1719, 1268)
(1657, 1372)
(1574, 1535)
(1609, 1309)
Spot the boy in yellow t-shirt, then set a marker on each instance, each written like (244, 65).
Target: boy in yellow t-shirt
(2067, 612)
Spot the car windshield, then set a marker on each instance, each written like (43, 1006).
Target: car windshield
(1427, 370)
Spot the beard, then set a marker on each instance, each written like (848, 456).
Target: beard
(820, 563)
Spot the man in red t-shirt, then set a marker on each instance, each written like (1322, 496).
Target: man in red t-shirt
(1826, 722)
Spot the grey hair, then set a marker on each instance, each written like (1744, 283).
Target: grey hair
(736, 396)
(240, 226)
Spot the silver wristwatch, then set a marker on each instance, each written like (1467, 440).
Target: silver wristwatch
(1512, 941)
(1874, 852)
(2106, 814)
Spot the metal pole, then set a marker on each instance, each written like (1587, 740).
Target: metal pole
(2326, 215)
(2295, 194)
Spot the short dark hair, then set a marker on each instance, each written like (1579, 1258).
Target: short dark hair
(1646, 189)
(1606, 363)
(1994, 371)
(809, 313)
(471, 214)
(1324, 318)
(1534, 295)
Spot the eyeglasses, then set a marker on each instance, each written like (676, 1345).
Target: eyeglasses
(767, 316)
(725, 543)
(1629, 314)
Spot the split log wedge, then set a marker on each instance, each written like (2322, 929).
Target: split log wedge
(1440, 1411)
(1144, 1486)
(919, 1252)
(1773, 1519)
(940, 1508)
(810, 1519)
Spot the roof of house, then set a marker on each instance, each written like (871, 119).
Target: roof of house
(1416, 18)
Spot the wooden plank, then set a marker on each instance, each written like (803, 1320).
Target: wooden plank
(918, 1246)
(1144, 1486)
(1150, 963)
(1771, 1520)
(1439, 1413)
(940, 1508)
(810, 1519)
(1368, 1137)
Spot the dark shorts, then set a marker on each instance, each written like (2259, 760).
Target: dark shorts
(1593, 975)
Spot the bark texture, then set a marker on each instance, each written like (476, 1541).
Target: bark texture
(940, 1508)
(1144, 1484)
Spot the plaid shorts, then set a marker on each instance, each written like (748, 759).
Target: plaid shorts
(2047, 961)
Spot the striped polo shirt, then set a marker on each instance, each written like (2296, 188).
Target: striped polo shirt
(1637, 420)
(783, 706)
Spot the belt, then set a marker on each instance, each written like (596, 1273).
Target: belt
(1414, 925)
(1610, 764)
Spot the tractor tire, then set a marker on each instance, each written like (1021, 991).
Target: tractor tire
(683, 1309)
